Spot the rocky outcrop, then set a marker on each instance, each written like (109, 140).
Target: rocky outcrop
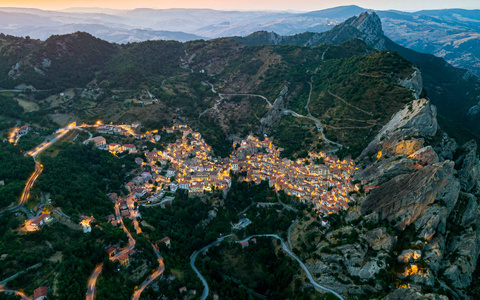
(370, 26)
(464, 251)
(425, 156)
(404, 198)
(379, 239)
(418, 119)
(409, 256)
(413, 83)
(469, 168)
(412, 294)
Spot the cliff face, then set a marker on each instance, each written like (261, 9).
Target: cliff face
(403, 199)
(421, 226)
(434, 195)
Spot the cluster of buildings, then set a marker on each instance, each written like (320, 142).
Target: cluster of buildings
(189, 164)
(121, 130)
(321, 179)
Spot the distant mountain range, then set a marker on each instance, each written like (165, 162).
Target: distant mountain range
(453, 34)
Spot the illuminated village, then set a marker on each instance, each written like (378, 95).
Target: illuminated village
(189, 164)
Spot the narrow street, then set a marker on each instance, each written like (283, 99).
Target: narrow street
(131, 240)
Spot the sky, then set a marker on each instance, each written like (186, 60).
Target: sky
(299, 5)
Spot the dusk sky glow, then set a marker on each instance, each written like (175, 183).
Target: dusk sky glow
(302, 5)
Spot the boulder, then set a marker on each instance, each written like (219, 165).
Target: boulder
(353, 259)
(464, 252)
(378, 239)
(433, 252)
(472, 212)
(431, 221)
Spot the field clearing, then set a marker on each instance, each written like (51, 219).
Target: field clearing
(62, 119)
(53, 150)
(28, 106)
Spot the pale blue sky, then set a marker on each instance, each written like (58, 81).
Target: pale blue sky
(408, 5)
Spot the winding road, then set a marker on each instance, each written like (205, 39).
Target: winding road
(18, 293)
(222, 97)
(152, 277)
(192, 264)
(92, 281)
(285, 248)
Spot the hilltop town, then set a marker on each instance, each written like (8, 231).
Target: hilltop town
(189, 164)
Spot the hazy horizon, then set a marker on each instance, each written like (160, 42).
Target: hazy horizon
(278, 5)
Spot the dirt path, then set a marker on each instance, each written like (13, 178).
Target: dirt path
(344, 101)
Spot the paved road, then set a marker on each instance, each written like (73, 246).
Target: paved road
(19, 273)
(18, 293)
(58, 135)
(152, 277)
(289, 252)
(92, 281)
(192, 264)
(158, 203)
(131, 240)
(252, 95)
(30, 182)
(284, 246)
(289, 233)
(26, 190)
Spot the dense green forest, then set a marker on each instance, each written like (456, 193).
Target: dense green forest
(11, 111)
(146, 63)
(80, 177)
(233, 272)
(78, 252)
(14, 171)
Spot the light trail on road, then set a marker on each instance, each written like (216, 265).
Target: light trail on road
(18, 293)
(30, 182)
(92, 281)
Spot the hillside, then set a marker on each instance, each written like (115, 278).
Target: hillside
(454, 91)
(59, 62)
(449, 33)
(410, 229)
(218, 87)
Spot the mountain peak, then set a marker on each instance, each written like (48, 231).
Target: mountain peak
(370, 25)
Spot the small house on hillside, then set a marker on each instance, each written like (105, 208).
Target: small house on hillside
(98, 141)
(165, 240)
(23, 130)
(111, 251)
(124, 259)
(40, 293)
(41, 220)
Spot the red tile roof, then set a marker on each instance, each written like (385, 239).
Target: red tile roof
(40, 292)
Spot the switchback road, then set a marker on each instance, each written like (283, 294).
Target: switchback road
(285, 248)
